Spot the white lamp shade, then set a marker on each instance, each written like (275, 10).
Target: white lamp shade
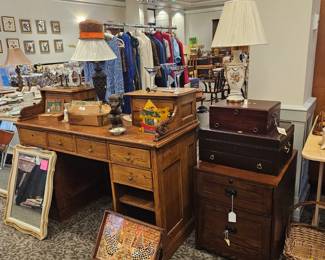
(240, 25)
(16, 57)
(93, 50)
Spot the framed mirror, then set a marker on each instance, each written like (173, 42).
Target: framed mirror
(30, 190)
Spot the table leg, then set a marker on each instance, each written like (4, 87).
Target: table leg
(319, 193)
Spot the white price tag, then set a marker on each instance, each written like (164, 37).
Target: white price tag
(232, 218)
(282, 131)
(38, 160)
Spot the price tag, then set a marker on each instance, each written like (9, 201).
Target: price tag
(38, 160)
(282, 131)
(232, 218)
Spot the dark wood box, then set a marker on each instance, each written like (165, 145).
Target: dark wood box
(251, 116)
(260, 153)
(261, 203)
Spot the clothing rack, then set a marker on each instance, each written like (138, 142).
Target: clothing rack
(142, 26)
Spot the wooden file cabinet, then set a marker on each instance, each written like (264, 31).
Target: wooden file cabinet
(261, 203)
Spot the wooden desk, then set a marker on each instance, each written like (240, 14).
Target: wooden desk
(313, 152)
(69, 94)
(152, 179)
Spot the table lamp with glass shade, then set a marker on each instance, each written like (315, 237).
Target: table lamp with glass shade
(239, 25)
(92, 47)
(16, 57)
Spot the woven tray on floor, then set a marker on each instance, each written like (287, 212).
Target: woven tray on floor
(303, 241)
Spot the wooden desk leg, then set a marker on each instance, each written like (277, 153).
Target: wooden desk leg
(319, 193)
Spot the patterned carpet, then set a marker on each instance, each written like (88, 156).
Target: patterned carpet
(73, 239)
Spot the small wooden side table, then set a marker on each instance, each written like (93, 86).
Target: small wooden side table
(313, 152)
(69, 94)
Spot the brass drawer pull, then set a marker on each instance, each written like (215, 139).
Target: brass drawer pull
(212, 157)
(130, 178)
(230, 192)
(236, 112)
(90, 150)
(127, 158)
(259, 166)
(60, 143)
(287, 148)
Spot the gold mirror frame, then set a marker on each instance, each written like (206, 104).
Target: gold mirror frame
(18, 224)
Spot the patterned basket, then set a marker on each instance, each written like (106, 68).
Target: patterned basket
(303, 241)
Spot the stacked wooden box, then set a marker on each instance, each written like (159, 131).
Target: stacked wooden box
(246, 160)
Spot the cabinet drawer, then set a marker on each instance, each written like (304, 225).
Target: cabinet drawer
(94, 149)
(132, 177)
(130, 156)
(247, 196)
(249, 236)
(31, 137)
(61, 142)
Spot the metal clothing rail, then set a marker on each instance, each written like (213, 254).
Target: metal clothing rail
(123, 25)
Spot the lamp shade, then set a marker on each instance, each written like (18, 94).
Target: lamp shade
(91, 45)
(240, 25)
(15, 56)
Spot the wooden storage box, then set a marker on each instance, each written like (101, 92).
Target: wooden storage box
(260, 153)
(181, 104)
(89, 114)
(51, 117)
(253, 116)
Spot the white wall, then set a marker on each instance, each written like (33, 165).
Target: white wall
(283, 69)
(178, 20)
(198, 23)
(63, 11)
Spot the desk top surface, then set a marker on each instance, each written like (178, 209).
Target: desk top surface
(162, 93)
(132, 136)
(66, 90)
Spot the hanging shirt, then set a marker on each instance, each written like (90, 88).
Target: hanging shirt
(168, 37)
(146, 57)
(112, 69)
(167, 49)
(182, 54)
(176, 50)
(130, 71)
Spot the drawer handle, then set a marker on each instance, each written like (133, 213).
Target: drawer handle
(259, 166)
(217, 125)
(130, 178)
(230, 192)
(231, 229)
(127, 158)
(236, 112)
(255, 130)
(60, 143)
(90, 150)
(287, 148)
(212, 157)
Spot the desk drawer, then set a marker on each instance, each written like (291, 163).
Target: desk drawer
(249, 237)
(132, 177)
(247, 196)
(130, 156)
(31, 137)
(94, 149)
(61, 142)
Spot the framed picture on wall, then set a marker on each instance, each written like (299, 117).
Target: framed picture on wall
(44, 46)
(55, 27)
(58, 45)
(8, 23)
(1, 49)
(29, 47)
(13, 43)
(41, 26)
(25, 26)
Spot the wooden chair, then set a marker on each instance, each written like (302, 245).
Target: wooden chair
(5, 139)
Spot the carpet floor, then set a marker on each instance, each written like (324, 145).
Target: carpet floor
(73, 239)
